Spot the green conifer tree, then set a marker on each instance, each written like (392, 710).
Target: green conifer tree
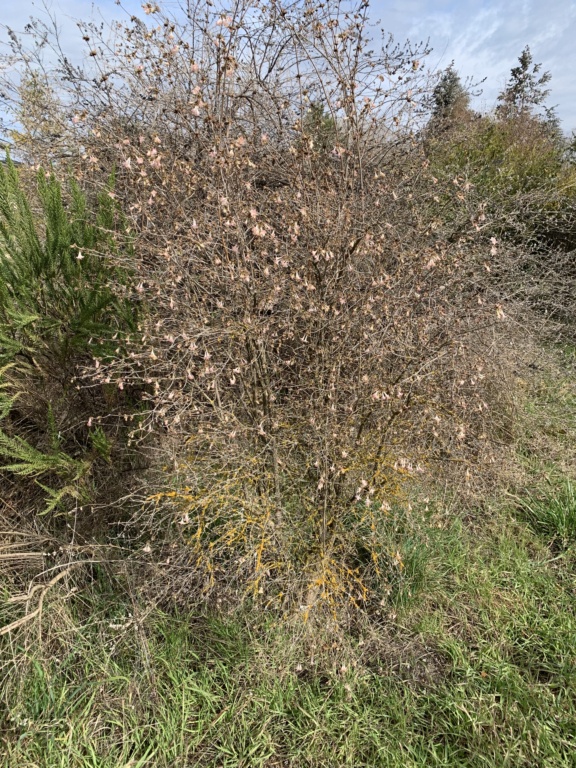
(449, 96)
(525, 92)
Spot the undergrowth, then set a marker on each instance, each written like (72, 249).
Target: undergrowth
(478, 671)
(468, 660)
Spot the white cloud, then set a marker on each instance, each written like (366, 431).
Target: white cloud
(60, 15)
(485, 38)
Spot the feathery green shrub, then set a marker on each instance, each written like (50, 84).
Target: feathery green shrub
(60, 303)
(55, 288)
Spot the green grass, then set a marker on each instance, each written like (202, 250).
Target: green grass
(553, 515)
(477, 669)
(469, 661)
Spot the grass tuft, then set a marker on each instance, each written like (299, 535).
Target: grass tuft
(552, 515)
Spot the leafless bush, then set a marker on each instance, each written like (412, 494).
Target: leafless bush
(315, 331)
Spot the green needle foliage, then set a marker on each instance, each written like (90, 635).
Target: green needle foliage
(59, 302)
(55, 287)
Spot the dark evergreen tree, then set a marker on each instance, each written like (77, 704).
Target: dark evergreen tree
(321, 127)
(526, 92)
(449, 96)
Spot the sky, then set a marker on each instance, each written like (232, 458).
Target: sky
(483, 37)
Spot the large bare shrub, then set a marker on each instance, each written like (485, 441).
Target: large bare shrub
(316, 333)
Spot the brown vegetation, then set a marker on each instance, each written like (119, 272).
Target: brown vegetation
(321, 313)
